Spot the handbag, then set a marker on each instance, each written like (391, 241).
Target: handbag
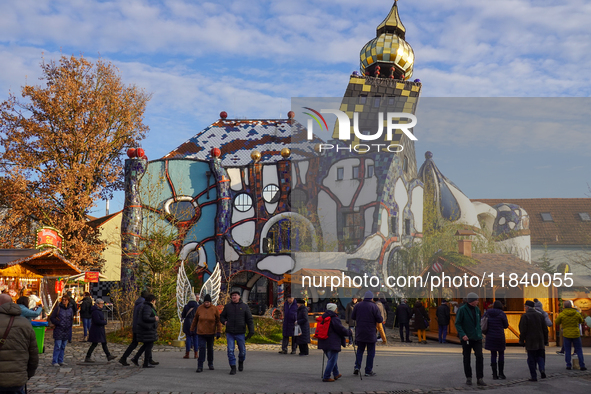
(297, 331)
(484, 324)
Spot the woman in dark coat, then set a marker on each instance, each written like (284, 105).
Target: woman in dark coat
(495, 338)
(304, 339)
(147, 329)
(332, 345)
(61, 317)
(188, 314)
(421, 320)
(97, 333)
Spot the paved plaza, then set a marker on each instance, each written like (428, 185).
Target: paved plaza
(400, 368)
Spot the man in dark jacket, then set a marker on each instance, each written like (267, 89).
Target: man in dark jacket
(332, 345)
(86, 314)
(533, 334)
(137, 310)
(403, 315)
(366, 316)
(349, 310)
(304, 339)
(19, 356)
(443, 317)
(290, 315)
(147, 330)
(236, 316)
(470, 333)
(97, 332)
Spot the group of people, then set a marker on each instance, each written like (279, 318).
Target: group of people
(533, 335)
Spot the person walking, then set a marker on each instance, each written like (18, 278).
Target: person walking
(72, 305)
(570, 319)
(366, 315)
(192, 341)
(236, 316)
(137, 313)
(443, 317)
(533, 334)
(382, 310)
(470, 333)
(86, 314)
(349, 310)
(304, 339)
(147, 330)
(23, 304)
(403, 315)
(331, 346)
(290, 315)
(208, 327)
(19, 354)
(62, 318)
(421, 321)
(97, 333)
(495, 338)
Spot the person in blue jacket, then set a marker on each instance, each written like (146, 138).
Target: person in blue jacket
(495, 338)
(290, 315)
(304, 339)
(191, 341)
(62, 317)
(23, 303)
(332, 345)
(366, 315)
(97, 331)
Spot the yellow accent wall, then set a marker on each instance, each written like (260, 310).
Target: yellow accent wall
(111, 235)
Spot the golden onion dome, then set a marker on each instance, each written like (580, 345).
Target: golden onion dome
(389, 48)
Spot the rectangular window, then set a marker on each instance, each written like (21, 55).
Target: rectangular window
(390, 100)
(340, 174)
(369, 171)
(407, 226)
(353, 226)
(376, 101)
(362, 99)
(585, 217)
(546, 217)
(394, 224)
(405, 164)
(356, 172)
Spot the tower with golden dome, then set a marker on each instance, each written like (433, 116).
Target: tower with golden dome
(384, 85)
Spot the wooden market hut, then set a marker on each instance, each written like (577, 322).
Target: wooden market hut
(482, 265)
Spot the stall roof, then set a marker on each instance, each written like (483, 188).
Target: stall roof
(9, 255)
(485, 263)
(45, 263)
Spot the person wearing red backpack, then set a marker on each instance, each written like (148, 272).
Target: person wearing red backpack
(333, 342)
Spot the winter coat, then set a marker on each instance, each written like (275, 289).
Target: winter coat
(290, 315)
(85, 308)
(467, 324)
(420, 315)
(97, 326)
(570, 320)
(403, 314)
(188, 315)
(62, 318)
(540, 309)
(147, 325)
(382, 310)
(137, 314)
(304, 324)
(19, 356)
(443, 315)
(28, 313)
(495, 335)
(236, 317)
(206, 320)
(533, 331)
(336, 333)
(366, 314)
(348, 312)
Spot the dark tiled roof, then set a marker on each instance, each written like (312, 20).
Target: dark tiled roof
(96, 223)
(237, 138)
(498, 263)
(567, 228)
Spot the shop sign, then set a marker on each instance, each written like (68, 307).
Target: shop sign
(49, 237)
(92, 277)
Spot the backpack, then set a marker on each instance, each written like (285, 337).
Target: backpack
(322, 327)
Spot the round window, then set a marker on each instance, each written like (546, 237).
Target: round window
(243, 202)
(271, 193)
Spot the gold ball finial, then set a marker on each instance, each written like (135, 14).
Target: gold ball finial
(285, 153)
(255, 156)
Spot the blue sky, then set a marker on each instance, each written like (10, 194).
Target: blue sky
(250, 57)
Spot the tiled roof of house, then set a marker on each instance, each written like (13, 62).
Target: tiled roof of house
(566, 226)
(237, 138)
(96, 223)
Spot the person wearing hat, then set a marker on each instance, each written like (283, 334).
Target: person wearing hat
(208, 327)
(443, 317)
(236, 316)
(97, 333)
(290, 315)
(304, 339)
(470, 333)
(366, 315)
(533, 334)
(332, 345)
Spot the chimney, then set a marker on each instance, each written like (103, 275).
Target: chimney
(465, 244)
(107, 209)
